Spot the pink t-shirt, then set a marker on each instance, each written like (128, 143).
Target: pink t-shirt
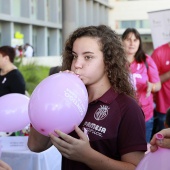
(161, 56)
(141, 75)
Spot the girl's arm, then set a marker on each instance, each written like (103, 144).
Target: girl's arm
(81, 151)
(38, 142)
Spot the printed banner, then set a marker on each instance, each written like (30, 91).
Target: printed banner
(160, 27)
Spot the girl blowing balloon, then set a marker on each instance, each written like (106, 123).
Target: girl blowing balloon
(114, 123)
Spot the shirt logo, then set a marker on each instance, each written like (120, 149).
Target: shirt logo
(134, 77)
(167, 62)
(4, 80)
(101, 112)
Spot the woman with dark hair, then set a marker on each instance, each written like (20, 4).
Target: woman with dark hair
(11, 80)
(114, 122)
(144, 75)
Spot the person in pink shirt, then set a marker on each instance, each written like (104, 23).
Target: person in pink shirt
(161, 56)
(145, 75)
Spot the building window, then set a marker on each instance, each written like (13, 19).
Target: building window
(17, 8)
(133, 24)
(33, 9)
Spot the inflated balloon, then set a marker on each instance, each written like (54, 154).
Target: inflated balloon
(13, 112)
(158, 160)
(59, 102)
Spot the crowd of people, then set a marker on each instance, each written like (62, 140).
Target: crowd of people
(123, 83)
(24, 50)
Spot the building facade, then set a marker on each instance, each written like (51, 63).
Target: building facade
(77, 13)
(134, 13)
(45, 24)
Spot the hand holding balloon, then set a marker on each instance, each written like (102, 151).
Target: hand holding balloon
(68, 146)
(164, 142)
(159, 159)
(59, 102)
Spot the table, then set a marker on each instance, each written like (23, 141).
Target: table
(24, 159)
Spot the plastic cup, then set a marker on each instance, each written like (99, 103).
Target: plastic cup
(160, 137)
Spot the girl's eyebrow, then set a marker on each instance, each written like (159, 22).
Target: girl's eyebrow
(87, 52)
(73, 52)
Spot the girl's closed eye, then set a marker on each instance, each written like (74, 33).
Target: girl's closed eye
(88, 57)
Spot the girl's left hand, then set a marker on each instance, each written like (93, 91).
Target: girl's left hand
(72, 148)
(149, 89)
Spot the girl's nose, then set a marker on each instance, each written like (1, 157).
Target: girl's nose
(78, 63)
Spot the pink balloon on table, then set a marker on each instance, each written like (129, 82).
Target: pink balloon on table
(13, 112)
(60, 102)
(158, 160)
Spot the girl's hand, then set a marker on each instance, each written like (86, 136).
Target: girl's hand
(149, 89)
(4, 166)
(67, 71)
(152, 87)
(164, 143)
(72, 148)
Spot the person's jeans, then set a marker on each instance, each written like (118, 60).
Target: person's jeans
(161, 119)
(149, 127)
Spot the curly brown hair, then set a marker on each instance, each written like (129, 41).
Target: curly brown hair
(113, 52)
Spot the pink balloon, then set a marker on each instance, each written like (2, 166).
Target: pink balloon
(158, 160)
(13, 112)
(59, 102)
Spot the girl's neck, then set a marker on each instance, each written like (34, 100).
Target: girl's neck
(96, 91)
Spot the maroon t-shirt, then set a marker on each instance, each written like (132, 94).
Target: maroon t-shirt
(115, 125)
